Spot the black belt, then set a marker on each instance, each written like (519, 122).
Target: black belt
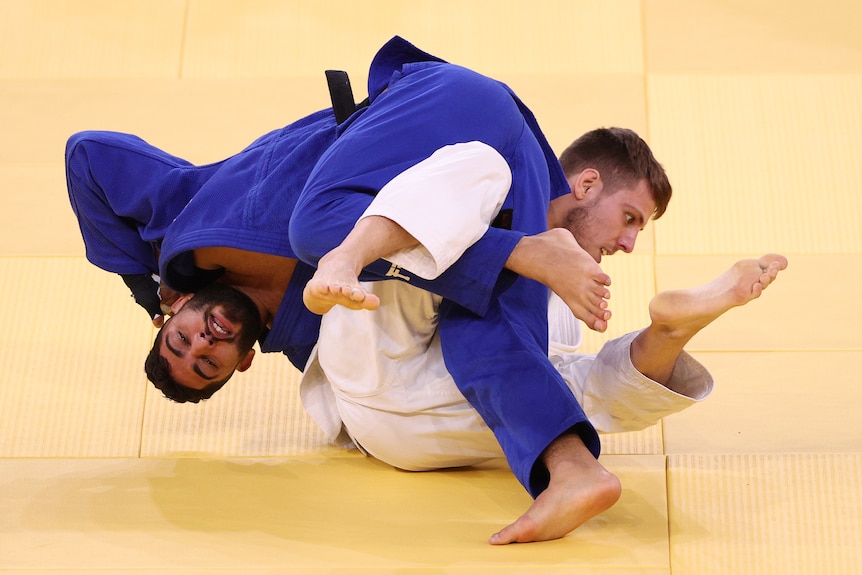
(341, 95)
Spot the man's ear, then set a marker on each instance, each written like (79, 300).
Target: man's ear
(246, 361)
(586, 184)
(181, 301)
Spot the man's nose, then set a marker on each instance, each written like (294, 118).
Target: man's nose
(202, 342)
(626, 241)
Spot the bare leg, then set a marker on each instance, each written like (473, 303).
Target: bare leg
(555, 259)
(336, 281)
(679, 314)
(580, 488)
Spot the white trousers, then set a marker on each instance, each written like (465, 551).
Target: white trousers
(377, 380)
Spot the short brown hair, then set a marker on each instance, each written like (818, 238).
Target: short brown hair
(159, 372)
(622, 158)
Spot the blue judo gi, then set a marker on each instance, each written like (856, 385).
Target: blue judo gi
(493, 324)
(133, 201)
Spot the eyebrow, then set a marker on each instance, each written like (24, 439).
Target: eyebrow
(639, 215)
(180, 354)
(173, 350)
(198, 371)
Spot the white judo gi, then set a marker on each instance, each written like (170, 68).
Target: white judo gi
(377, 379)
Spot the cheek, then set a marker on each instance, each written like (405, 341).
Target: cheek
(595, 230)
(229, 355)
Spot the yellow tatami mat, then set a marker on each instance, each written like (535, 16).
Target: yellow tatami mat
(752, 106)
(91, 38)
(753, 514)
(755, 180)
(333, 515)
(72, 383)
(258, 415)
(775, 402)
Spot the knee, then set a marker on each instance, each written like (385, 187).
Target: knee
(322, 219)
(308, 235)
(298, 233)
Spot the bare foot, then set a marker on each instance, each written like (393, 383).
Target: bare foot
(336, 282)
(685, 312)
(555, 259)
(580, 488)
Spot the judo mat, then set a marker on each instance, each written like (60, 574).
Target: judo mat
(752, 107)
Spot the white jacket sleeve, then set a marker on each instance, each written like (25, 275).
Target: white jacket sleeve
(446, 202)
(616, 396)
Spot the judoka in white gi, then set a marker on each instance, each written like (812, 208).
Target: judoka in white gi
(377, 379)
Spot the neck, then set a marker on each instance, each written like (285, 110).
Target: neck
(266, 300)
(262, 277)
(557, 210)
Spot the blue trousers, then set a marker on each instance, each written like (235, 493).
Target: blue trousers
(125, 194)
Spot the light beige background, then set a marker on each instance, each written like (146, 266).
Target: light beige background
(755, 109)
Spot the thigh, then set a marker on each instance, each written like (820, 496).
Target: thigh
(421, 112)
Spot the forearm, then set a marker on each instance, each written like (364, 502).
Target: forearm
(444, 204)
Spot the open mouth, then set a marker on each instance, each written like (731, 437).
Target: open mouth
(220, 328)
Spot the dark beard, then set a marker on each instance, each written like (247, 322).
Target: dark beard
(576, 221)
(238, 308)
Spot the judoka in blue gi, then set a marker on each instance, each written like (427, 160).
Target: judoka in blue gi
(231, 227)
(139, 207)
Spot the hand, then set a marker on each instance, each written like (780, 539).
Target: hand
(147, 294)
(168, 297)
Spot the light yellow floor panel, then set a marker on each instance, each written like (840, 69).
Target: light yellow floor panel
(759, 163)
(759, 36)
(257, 414)
(753, 107)
(274, 38)
(72, 383)
(565, 110)
(812, 306)
(91, 38)
(765, 514)
(44, 223)
(200, 120)
(322, 515)
(646, 442)
(773, 402)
